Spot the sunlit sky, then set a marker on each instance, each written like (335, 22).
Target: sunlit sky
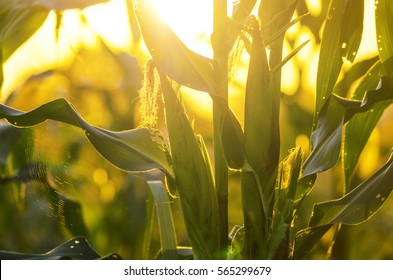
(191, 20)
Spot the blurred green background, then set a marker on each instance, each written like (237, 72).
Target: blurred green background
(94, 58)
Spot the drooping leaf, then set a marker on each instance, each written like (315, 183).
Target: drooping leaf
(358, 205)
(354, 208)
(169, 53)
(356, 72)
(165, 220)
(326, 139)
(384, 23)
(139, 149)
(75, 249)
(359, 128)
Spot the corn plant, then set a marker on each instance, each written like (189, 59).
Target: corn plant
(272, 188)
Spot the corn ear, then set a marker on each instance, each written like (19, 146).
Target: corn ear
(261, 144)
(193, 177)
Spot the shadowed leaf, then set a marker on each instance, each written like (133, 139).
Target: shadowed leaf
(358, 205)
(354, 208)
(169, 53)
(75, 249)
(18, 22)
(359, 128)
(326, 139)
(306, 239)
(139, 149)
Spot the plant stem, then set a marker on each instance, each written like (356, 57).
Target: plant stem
(221, 74)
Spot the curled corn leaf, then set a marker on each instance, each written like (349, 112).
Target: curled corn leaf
(139, 149)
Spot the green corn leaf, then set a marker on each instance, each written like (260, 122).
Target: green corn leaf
(274, 15)
(171, 56)
(340, 39)
(18, 24)
(194, 178)
(354, 208)
(356, 72)
(359, 128)
(304, 186)
(279, 241)
(289, 56)
(358, 205)
(326, 139)
(75, 249)
(165, 220)
(306, 239)
(282, 30)
(384, 23)
(139, 149)
(352, 28)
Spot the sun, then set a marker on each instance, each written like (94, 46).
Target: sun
(191, 20)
